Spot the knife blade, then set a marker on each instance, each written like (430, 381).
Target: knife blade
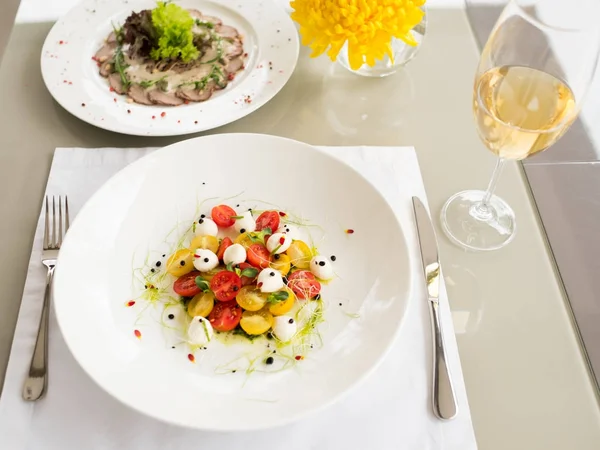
(444, 398)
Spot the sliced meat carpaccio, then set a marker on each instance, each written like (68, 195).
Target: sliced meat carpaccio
(160, 97)
(195, 13)
(234, 49)
(112, 37)
(105, 69)
(211, 55)
(139, 95)
(210, 19)
(106, 52)
(227, 32)
(194, 95)
(115, 82)
(234, 65)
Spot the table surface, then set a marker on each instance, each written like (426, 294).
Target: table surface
(528, 384)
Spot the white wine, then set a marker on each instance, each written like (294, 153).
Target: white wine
(521, 111)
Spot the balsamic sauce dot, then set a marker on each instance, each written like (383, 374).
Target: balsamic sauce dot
(152, 270)
(203, 183)
(233, 371)
(173, 346)
(171, 316)
(237, 206)
(333, 258)
(158, 263)
(164, 256)
(269, 360)
(201, 221)
(321, 263)
(243, 230)
(291, 321)
(202, 216)
(340, 304)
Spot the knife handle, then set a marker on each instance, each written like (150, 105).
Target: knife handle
(444, 400)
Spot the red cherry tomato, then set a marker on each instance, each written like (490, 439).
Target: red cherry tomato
(222, 215)
(225, 285)
(225, 316)
(268, 219)
(186, 284)
(226, 242)
(304, 284)
(259, 256)
(247, 280)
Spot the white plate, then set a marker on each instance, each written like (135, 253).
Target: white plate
(130, 217)
(72, 77)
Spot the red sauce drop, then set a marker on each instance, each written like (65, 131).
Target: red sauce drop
(349, 231)
(137, 334)
(191, 357)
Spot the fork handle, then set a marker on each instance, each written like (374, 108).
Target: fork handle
(37, 381)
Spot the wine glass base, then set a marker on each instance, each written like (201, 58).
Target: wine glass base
(467, 226)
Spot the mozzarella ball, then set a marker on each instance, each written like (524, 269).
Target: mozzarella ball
(321, 268)
(206, 227)
(234, 254)
(290, 230)
(270, 280)
(281, 240)
(200, 331)
(245, 225)
(205, 260)
(284, 328)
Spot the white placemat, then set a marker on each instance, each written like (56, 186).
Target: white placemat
(391, 410)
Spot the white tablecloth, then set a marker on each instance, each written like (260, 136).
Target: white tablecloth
(391, 410)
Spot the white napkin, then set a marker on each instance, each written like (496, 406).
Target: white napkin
(391, 410)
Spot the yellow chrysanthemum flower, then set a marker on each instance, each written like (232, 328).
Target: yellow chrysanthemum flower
(367, 25)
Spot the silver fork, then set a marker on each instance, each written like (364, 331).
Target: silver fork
(37, 381)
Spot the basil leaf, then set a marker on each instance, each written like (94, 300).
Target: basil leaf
(229, 267)
(202, 284)
(279, 296)
(250, 272)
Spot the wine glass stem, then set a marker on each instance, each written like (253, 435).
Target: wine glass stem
(482, 210)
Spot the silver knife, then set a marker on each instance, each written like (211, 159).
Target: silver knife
(444, 399)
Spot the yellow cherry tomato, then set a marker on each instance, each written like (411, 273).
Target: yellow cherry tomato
(211, 273)
(205, 242)
(180, 262)
(201, 305)
(251, 299)
(244, 240)
(300, 254)
(283, 307)
(281, 263)
(256, 322)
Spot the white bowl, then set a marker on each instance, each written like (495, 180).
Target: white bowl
(130, 217)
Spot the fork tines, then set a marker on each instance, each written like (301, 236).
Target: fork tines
(54, 242)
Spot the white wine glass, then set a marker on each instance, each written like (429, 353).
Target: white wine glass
(534, 72)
